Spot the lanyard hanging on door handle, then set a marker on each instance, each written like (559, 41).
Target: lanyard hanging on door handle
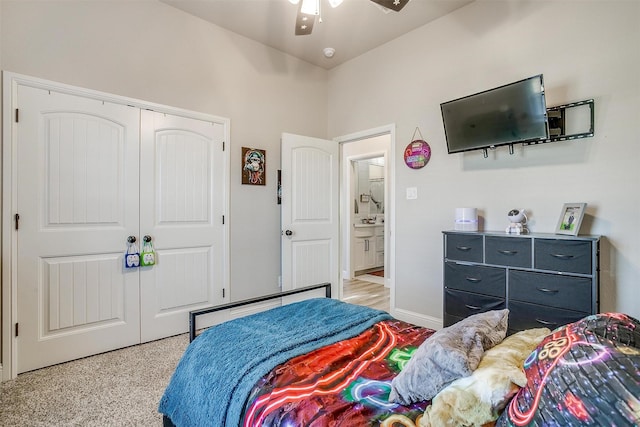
(148, 255)
(131, 255)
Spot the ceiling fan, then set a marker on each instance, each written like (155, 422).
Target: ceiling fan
(309, 9)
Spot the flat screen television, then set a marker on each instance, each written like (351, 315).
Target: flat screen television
(509, 114)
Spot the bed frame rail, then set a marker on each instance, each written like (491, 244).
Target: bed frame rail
(195, 313)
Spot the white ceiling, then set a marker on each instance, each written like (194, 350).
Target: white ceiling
(353, 28)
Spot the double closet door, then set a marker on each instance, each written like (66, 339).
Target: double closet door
(90, 174)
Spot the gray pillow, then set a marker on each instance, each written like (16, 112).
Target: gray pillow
(451, 353)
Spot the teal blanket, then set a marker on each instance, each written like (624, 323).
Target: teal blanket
(217, 371)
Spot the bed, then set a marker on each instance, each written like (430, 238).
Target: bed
(348, 365)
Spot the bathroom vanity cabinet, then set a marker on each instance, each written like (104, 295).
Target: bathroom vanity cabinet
(368, 246)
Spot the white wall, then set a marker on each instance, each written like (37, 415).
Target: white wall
(148, 50)
(585, 49)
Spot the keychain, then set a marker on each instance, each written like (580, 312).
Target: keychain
(148, 255)
(131, 255)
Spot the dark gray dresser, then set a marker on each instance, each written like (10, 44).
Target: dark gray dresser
(545, 280)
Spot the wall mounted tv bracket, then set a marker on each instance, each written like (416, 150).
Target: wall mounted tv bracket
(569, 121)
(566, 122)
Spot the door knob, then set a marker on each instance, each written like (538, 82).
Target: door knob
(131, 239)
(289, 233)
(146, 239)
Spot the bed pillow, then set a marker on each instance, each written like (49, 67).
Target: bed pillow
(584, 373)
(479, 398)
(451, 353)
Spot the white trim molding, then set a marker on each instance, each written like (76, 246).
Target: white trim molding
(418, 319)
(390, 215)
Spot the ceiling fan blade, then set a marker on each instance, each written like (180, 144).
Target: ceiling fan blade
(395, 5)
(304, 22)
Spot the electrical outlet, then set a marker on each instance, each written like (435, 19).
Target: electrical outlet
(412, 193)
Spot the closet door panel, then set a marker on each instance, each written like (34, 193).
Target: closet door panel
(181, 186)
(77, 197)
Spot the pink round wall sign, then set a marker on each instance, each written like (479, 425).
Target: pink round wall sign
(417, 154)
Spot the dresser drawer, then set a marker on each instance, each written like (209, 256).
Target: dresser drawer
(523, 315)
(475, 278)
(464, 304)
(574, 256)
(571, 293)
(508, 251)
(450, 320)
(464, 247)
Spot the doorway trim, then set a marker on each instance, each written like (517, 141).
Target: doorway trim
(390, 220)
(8, 287)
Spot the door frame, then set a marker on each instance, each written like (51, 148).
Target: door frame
(390, 204)
(347, 211)
(10, 83)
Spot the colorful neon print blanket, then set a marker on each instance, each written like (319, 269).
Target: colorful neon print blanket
(219, 368)
(584, 374)
(345, 384)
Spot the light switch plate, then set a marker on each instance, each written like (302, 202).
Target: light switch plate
(412, 193)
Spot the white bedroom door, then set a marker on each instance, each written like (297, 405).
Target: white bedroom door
(310, 213)
(181, 209)
(77, 201)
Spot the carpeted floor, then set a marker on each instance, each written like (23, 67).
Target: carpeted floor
(119, 388)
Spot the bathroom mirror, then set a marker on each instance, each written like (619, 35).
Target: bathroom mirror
(370, 186)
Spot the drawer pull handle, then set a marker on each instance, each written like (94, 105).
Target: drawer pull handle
(548, 291)
(472, 307)
(463, 248)
(546, 323)
(506, 252)
(562, 256)
(473, 279)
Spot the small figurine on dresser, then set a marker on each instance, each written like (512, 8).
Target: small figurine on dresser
(517, 222)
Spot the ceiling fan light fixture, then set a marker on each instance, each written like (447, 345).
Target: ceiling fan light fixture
(310, 7)
(394, 5)
(334, 3)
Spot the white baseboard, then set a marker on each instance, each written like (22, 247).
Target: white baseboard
(418, 319)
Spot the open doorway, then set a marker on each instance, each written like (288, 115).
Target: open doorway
(366, 211)
(366, 217)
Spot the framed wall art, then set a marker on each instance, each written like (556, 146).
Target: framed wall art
(571, 218)
(279, 187)
(254, 165)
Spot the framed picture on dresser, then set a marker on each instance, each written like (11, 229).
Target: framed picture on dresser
(571, 218)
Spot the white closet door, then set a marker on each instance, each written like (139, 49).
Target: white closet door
(77, 197)
(182, 176)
